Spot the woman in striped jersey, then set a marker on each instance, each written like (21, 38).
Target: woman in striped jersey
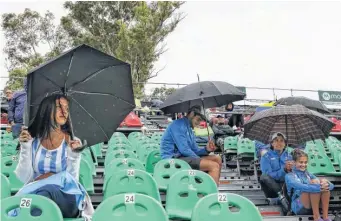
(49, 160)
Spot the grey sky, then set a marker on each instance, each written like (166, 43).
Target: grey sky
(259, 44)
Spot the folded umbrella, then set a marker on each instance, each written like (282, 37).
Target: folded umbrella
(98, 86)
(307, 102)
(297, 122)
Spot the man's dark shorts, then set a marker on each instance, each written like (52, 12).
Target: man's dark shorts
(193, 162)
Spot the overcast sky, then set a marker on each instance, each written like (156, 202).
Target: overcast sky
(257, 44)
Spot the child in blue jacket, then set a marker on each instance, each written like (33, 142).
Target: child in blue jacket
(307, 190)
(275, 163)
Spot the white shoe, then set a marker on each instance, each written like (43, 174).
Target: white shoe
(234, 127)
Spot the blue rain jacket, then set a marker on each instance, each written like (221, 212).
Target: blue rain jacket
(179, 140)
(299, 181)
(272, 164)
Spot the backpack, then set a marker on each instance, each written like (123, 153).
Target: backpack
(288, 199)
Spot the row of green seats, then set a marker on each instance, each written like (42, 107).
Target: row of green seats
(135, 206)
(8, 148)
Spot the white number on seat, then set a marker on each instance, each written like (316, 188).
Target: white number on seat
(25, 202)
(222, 197)
(131, 172)
(125, 161)
(14, 158)
(191, 172)
(171, 162)
(129, 198)
(122, 152)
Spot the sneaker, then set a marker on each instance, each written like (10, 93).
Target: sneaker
(234, 127)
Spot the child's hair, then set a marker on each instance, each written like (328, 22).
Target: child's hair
(297, 153)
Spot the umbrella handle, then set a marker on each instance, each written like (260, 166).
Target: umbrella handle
(80, 149)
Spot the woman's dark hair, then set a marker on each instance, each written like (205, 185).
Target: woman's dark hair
(227, 109)
(297, 154)
(43, 124)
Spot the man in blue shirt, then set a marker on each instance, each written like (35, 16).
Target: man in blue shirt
(178, 141)
(275, 163)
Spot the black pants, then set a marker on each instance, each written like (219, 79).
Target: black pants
(236, 120)
(270, 186)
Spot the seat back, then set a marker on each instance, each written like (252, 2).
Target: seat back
(119, 164)
(97, 150)
(85, 176)
(184, 191)
(118, 154)
(86, 155)
(115, 147)
(246, 146)
(152, 159)
(8, 165)
(230, 143)
(144, 150)
(5, 187)
(165, 169)
(134, 135)
(49, 209)
(132, 181)
(217, 207)
(128, 207)
(319, 163)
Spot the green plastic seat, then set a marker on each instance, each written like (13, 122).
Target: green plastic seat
(117, 134)
(87, 156)
(231, 143)
(130, 207)
(8, 148)
(50, 210)
(85, 176)
(8, 165)
(246, 147)
(152, 159)
(165, 169)
(132, 181)
(216, 207)
(118, 154)
(97, 150)
(115, 147)
(5, 187)
(320, 164)
(134, 135)
(119, 164)
(184, 191)
(119, 141)
(143, 151)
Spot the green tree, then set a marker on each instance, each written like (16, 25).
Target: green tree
(131, 31)
(24, 34)
(162, 92)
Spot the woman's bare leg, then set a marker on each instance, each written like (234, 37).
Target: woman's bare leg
(325, 197)
(315, 204)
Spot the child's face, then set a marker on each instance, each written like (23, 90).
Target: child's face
(301, 163)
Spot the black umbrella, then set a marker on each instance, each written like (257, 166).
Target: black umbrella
(98, 85)
(307, 102)
(297, 122)
(206, 93)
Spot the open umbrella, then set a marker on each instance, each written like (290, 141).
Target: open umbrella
(297, 122)
(206, 93)
(307, 102)
(98, 85)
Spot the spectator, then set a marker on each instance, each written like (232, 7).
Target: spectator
(49, 157)
(178, 141)
(16, 111)
(235, 120)
(275, 163)
(307, 190)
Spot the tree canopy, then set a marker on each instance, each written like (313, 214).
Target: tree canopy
(131, 31)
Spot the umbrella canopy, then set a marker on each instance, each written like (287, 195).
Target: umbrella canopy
(307, 102)
(297, 122)
(98, 86)
(209, 93)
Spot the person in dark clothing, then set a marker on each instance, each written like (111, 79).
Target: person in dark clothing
(235, 120)
(16, 111)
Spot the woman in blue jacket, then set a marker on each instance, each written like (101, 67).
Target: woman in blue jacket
(306, 190)
(275, 163)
